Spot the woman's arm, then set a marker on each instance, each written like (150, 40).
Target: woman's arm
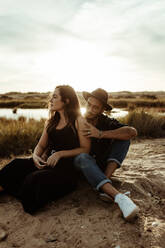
(40, 149)
(84, 146)
(85, 142)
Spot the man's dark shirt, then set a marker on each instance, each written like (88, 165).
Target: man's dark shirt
(100, 146)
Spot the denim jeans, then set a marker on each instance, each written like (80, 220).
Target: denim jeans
(91, 170)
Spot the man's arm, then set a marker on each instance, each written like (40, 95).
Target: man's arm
(122, 133)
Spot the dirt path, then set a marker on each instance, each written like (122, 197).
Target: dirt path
(81, 220)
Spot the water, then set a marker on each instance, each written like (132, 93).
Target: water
(37, 114)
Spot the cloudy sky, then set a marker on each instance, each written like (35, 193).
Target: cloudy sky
(113, 44)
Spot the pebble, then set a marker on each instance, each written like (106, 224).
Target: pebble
(53, 239)
(154, 224)
(3, 235)
(80, 211)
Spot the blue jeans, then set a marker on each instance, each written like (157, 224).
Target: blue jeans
(90, 168)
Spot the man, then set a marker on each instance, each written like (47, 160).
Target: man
(109, 146)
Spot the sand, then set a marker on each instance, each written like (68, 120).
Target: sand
(82, 220)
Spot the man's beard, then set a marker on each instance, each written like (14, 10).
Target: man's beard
(91, 119)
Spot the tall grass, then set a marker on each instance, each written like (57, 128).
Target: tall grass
(19, 136)
(148, 125)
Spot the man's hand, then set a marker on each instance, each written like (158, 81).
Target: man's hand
(90, 131)
(53, 159)
(38, 161)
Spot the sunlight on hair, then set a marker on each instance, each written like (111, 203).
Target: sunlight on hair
(83, 110)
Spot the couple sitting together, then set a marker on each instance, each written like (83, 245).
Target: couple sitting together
(95, 145)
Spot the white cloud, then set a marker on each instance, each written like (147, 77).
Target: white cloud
(113, 44)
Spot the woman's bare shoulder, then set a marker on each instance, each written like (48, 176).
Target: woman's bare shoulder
(80, 122)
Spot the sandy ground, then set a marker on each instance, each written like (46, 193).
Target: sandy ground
(82, 220)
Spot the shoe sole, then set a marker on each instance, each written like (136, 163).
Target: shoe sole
(133, 214)
(109, 198)
(106, 199)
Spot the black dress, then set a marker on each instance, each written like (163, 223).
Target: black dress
(35, 187)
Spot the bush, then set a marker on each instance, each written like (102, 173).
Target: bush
(19, 136)
(147, 125)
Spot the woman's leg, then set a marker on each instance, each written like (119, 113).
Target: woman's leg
(45, 185)
(1, 189)
(14, 173)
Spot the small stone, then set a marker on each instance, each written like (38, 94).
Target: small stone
(154, 224)
(80, 211)
(51, 240)
(3, 235)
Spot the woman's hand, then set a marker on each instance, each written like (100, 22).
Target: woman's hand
(54, 158)
(38, 161)
(44, 157)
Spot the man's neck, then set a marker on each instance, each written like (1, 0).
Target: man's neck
(93, 121)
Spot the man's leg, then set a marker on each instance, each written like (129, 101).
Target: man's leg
(116, 156)
(87, 165)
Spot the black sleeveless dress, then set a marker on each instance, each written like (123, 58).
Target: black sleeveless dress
(35, 187)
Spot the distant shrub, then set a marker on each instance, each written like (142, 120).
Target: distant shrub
(149, 96)
(137, 103)
(118, 103)
(24, 104)
(10, 104)
(35, 105)
(147, 125)
(117, 100)
(19, 136)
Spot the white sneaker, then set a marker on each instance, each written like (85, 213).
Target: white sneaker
(107, 198)
(127, 206)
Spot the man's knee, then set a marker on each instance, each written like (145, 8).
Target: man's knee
(81, 160)
(118, 151)
(126, 143)
(121, 144)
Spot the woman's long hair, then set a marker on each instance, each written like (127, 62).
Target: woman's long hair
(71, 107)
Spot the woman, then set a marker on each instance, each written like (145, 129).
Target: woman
(50, 174)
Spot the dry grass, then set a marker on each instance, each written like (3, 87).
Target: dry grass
(19, 136)
(148, 125)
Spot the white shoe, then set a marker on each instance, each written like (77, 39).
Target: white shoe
(127, 206)
(107, 198)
